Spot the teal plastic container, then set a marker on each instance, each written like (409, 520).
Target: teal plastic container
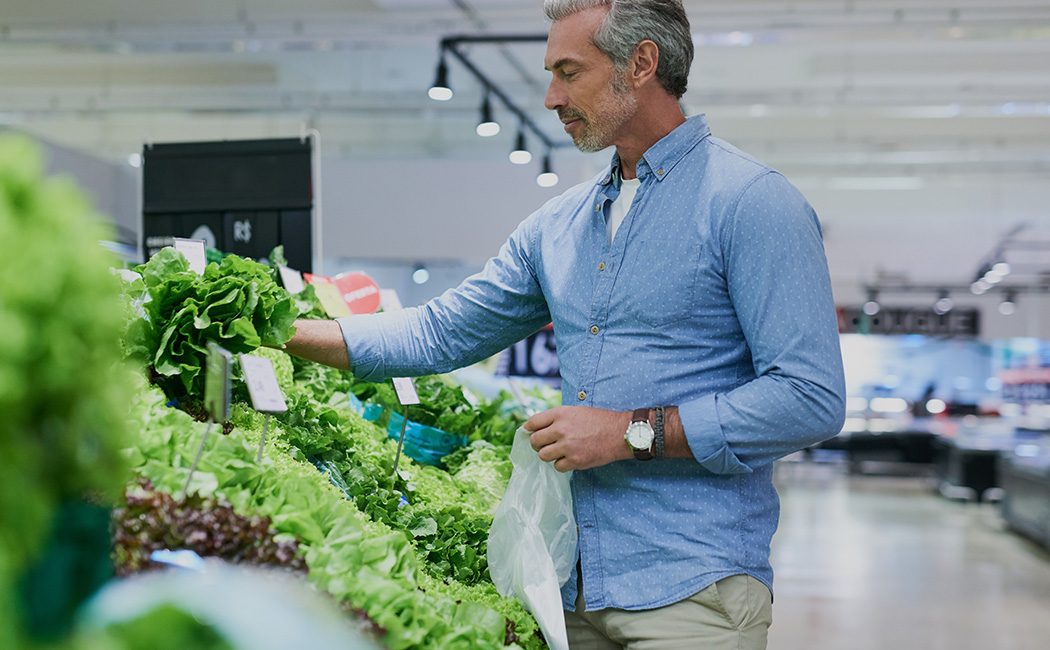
(424, 444)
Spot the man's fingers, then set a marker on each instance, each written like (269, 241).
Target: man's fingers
(551, 452)
(542, 438)
(562, 465)
(541, 420)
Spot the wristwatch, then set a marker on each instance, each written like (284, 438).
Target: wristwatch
(640, 435)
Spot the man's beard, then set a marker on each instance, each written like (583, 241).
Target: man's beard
(597, 134)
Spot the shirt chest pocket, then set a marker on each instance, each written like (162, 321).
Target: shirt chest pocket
(657, 283)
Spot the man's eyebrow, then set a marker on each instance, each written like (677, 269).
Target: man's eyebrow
(560, 63)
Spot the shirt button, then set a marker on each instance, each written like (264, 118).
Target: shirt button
(594, 329)
(660, 172)
(597, 207)
(601, 266)
(582, 395)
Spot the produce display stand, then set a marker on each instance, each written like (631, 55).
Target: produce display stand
(1025, 473)
(882, 440)
(969, 465)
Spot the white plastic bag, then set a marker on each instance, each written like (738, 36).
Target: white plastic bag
(532, 543)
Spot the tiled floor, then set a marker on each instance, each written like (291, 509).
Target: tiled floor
(884, 563)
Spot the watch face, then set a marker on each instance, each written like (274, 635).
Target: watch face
(640, 435)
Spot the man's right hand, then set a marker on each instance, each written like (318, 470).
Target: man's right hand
(320, 341)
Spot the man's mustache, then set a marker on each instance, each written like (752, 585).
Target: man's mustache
(569, 115)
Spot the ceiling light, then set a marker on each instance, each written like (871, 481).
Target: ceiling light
(441, 91)
(420, 275)
(872, 307)
(944, 303)
(888, 405)
(1007, 307)
(520, 155)
(547, 177)
(1002, 269)
(135, 160)
(487, 126)
(936, 406)
(758, 110)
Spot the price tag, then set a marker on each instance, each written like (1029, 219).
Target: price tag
(217, 383)
(388, 300)
(193, 249)
(127, 275)
(331, 300)
(406, 391)
(262, 384)
(291, 279)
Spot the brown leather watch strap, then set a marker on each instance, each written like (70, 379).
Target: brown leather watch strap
(641, 415)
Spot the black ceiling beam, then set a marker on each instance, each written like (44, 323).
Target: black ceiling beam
(451, 44)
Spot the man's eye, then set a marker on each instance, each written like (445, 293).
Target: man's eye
(568, 75)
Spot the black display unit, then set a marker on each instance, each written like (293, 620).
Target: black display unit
(1026, 485)
(241, 196)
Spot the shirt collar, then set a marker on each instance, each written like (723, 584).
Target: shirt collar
(662, 157)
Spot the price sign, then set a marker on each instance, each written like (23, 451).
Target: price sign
(217, 383)
(291, 279)
(331, 300)
(263, 389)
(534, 356)
(360, 292)
(406, 391)
(193, 249)
(216, 400)
(127, 275)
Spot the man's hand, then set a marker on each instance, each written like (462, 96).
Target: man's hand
(579, 437)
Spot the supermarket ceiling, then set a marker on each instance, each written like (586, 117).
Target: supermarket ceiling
(847, 94)
(818, 84)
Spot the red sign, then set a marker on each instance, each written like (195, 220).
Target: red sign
(360, 292)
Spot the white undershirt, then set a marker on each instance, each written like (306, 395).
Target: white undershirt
(622, 205)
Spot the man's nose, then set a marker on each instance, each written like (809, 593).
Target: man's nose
(555, 96)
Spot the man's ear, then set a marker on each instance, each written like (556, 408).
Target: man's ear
(644, 62)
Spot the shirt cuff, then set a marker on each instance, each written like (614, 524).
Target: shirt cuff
(707, 441)
(363, 339)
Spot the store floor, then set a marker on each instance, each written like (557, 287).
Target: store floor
(884, 563)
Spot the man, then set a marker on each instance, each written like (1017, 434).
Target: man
(707, 296)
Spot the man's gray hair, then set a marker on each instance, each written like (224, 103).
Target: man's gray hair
(628, 23)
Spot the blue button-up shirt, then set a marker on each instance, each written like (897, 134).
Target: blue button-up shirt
(713, 296)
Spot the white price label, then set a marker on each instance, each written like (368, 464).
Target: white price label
(389, 301)
(406, 391)
(193, 249)
(127, 275)
(291, 279)
(262, 384)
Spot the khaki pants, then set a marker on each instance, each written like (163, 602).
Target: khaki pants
(732, 614)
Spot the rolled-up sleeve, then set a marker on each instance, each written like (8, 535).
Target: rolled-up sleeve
(777, 277)
(488, 312)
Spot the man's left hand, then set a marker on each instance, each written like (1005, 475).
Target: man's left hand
(579, 437)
